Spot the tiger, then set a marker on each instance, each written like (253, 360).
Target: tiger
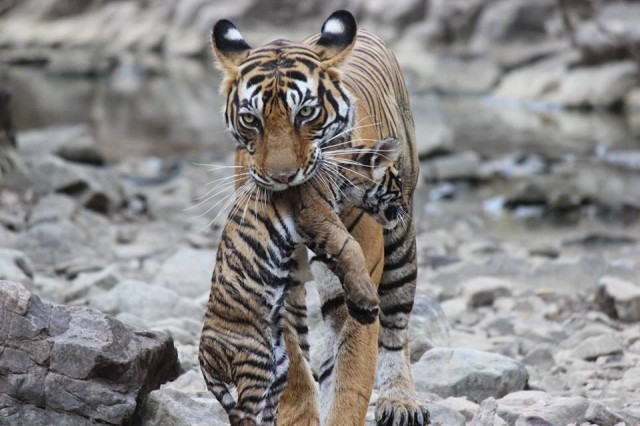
(243, 337)
(286, 104)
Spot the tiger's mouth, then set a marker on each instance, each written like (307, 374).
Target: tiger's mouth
(284, 180)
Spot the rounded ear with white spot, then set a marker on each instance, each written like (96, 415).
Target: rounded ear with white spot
(229, 46)
(386, 152)
(337, 38)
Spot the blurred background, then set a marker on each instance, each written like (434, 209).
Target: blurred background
(527, 117)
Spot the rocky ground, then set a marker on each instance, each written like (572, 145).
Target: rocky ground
(528, 303)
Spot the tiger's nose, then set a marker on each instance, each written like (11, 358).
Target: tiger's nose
(284, 177)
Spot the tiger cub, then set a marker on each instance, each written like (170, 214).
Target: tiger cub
(242, 340)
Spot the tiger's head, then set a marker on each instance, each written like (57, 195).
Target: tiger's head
(372, 182)
(285, 102)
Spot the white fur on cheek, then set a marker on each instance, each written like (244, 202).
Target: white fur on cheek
(233, 34)
(334, 26)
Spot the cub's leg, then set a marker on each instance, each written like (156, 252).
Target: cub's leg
(327, 236)
(347, 373)
(254, 373)
(298, 404)
(397, 403)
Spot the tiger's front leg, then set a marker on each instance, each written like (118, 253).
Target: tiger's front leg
(397, 402)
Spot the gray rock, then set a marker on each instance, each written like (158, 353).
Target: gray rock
(596, 346)
(187, 272)
(15, 266)
(510, 406)
(173, 407)
(466, 372)
(541, 356)
(80, 63)
(600, 86)
(558, 411)
(53, 208)
(619, 299)
(96, 188)
(486, 413)
(436, 136)
(88, 282)
(443, 415)
(482, 291)
(463, 165)
(509, 20)
(599, 414)
(462, 405)
(149, 303)
(74, 364)
(73, 143)
(57, 246)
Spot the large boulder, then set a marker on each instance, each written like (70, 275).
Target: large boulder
(72, 365)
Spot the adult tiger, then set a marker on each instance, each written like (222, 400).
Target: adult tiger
(286, 104)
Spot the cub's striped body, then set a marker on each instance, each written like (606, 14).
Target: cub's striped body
(243, 338)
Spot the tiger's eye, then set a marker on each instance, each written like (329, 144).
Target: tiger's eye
(248, 119)
(305, 111)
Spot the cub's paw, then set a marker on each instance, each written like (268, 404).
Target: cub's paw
(401, 412)
(361, 297)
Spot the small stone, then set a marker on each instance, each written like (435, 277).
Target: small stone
(467, 372)
(173, 407)
(541, 357)
(601, 415)
(619, 299)
(187, 272)
(457, 166)
(442, 415)
(596, 346)
(558, 411)
(486, 413)
(86, 282)
(482, 291)
(15, 266)
(510, 406)
(462, 405)
(631, 379)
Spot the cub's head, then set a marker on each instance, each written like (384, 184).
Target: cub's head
(372, 181)
(285, 102)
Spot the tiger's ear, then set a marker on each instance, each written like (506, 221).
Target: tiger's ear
(337, 38)
(386, 152)
(229, 46)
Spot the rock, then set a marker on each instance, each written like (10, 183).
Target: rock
(187, 272)
(15, 266)
(57, 246)
(467, 372)
(631, 379)
(149, 303)
(619, 299)
(74, 63)
(96, 188)
(463, 165)
(598, 414)
(451, 20)
(88, 282)
(614, 36)
(541, 357)
(183, 330)
(558, 411)
(74, 143)
(510, 406)
(511, 20)
(599, 86)
(436, 136)
(172, 407)
(596, 346)
(53, 208)
(483, 291)
(443, 415)
(74, 364)
(486, 413)
(428, 326)
(191, 382)
(462, 405)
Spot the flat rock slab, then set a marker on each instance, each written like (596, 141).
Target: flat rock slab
(73, 365)
(466, 372)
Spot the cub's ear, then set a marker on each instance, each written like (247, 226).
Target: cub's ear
(386, 152)
(229, 46)
(337, 38)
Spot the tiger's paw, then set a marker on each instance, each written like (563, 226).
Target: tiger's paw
(401, 412)
(361, 298)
